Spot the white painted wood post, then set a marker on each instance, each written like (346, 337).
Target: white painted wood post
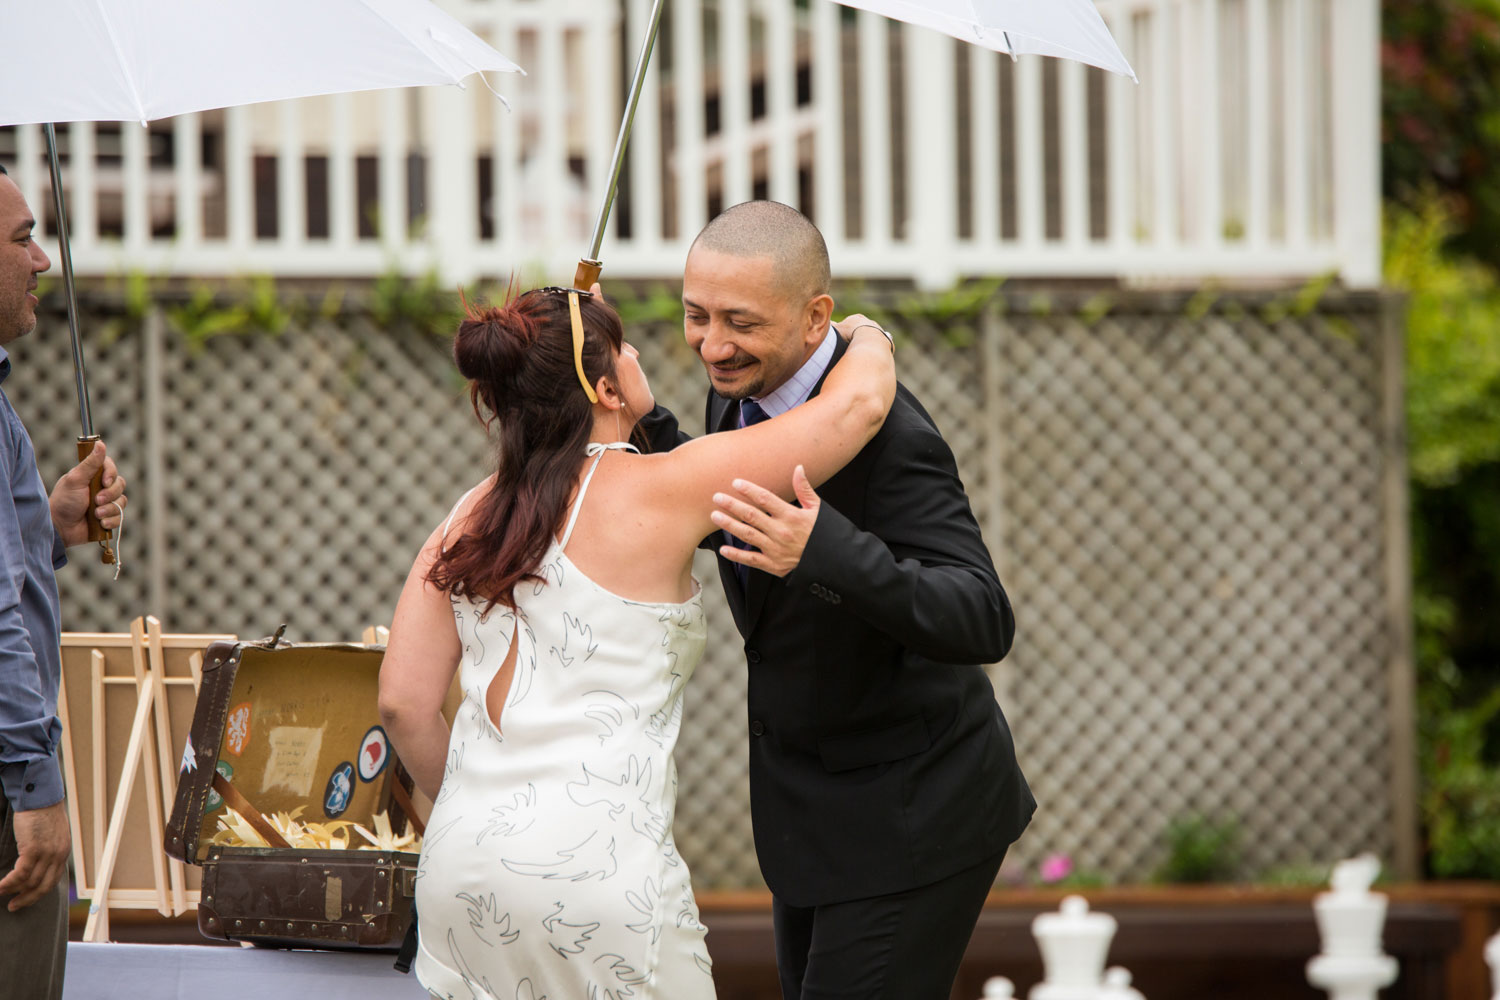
(1355, 74)
(931, 154)
(452, 195)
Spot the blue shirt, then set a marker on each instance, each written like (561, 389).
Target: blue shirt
(795, 390)
(30, 622)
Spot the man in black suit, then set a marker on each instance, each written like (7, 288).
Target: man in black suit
(884, 787)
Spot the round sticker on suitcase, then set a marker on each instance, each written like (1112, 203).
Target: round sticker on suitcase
(215, 800)
(374, 752)
(339, 791)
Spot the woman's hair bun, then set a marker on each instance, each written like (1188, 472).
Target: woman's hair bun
(491, 344)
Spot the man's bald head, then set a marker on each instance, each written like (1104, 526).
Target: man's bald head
(780, 232)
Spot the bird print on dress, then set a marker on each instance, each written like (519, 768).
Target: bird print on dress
(610, 711)
(613, 978)
(490, 926)
(590, 857)
(567, 938)
(629, 796)
(515, 818)
(585, 646)
(645, 903)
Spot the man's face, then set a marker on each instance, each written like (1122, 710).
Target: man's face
(21, 260)
(751, 333)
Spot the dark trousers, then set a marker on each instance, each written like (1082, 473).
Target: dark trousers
(905, 946)
(33, 942)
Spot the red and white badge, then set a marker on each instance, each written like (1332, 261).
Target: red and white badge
(374, 752)
(237, 728)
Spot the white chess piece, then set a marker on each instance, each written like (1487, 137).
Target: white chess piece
(1117, 986)
(1350, 920)
(999, 988)
(1074, 944)
(1492, 956)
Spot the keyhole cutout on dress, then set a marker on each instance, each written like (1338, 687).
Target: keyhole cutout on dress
(494, 698)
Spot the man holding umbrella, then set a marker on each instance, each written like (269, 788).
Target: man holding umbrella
(35, 528)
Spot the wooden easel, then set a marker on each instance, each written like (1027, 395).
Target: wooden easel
(122, 865)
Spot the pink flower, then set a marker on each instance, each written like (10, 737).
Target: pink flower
(1056, 867)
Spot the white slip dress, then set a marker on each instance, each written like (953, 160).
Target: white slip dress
(548, 869)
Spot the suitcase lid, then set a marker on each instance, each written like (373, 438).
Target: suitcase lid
(288, 725)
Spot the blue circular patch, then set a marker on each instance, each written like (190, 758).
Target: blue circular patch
(339, 791)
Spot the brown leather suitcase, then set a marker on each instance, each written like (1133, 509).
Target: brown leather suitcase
(280, 725)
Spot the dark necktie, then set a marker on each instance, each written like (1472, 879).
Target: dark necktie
(750, 414)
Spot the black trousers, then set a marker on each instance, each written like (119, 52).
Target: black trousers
(905, 946)
(33, 942)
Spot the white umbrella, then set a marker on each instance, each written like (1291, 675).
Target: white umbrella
(1066, 29)
(136, 60)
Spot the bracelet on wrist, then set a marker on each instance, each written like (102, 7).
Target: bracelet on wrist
(884, 332)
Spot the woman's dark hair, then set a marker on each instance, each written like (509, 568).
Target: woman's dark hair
(518, 359)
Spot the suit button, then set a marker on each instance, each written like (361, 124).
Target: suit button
(817, 589)
(757, 728)
(753, 655)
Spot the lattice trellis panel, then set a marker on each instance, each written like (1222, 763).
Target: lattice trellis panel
(1196, 543)
(1187, 515)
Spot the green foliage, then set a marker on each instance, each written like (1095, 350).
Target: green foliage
(1453, 425)
(1461, 797)
(1296, 875)
(255, 306)
(1201, 849)
(420, 304)
(1440, 66)
(1453, 345)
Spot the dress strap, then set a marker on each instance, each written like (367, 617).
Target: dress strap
(596, 450)
(449, 523)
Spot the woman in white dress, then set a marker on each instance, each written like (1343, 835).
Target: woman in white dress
(561, 588)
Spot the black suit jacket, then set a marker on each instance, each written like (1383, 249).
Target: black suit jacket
(879, 759)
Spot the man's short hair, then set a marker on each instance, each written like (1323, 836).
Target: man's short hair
(771, 229)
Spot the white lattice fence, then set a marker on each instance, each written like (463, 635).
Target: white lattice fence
(1187, 513)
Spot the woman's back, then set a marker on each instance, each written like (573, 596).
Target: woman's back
(549, 854)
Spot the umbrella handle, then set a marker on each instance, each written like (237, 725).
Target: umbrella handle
(587, 274)
(97, 532)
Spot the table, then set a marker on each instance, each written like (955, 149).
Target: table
(195, 972)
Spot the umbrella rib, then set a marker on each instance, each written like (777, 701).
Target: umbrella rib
(114, 42)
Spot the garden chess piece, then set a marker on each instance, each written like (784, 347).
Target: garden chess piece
(1117, 986)
(1350, 920)
(999, 988)
(1492, 956)
(1074, 943)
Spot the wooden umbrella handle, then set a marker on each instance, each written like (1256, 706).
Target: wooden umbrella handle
(97, 531)
(587, 274)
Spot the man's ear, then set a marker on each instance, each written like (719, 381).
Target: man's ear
(819, 312)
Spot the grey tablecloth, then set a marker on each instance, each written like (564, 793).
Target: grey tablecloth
(204, 972)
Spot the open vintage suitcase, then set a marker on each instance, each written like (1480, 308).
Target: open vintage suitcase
(277, 726)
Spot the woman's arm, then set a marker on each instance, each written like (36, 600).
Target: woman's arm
(821, 435)
(420, 659)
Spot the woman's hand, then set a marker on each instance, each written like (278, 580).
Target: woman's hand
(856, 321)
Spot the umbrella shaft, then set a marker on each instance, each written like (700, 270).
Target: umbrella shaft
(66, 253)
(624, 138)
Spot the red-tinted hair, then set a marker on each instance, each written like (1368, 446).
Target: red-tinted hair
(518, 359)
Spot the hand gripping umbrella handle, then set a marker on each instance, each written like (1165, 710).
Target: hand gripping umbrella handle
(97, 532)
(587, 274)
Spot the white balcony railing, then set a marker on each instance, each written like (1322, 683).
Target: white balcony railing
(1248, 152)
